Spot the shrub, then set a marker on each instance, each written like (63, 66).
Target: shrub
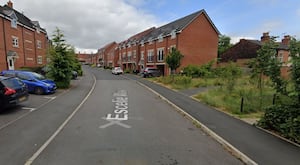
(284, 119)
(198, 71)
(182, 80)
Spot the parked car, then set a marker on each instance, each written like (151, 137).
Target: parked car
(117, 70)
(151, 72)
(36, 83)
(12, 92)
(46, 69)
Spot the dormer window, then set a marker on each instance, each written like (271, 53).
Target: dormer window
(38, 30)
(14, 23)
(160, 38)
(173, 34)
(14, 19)
(150, 41)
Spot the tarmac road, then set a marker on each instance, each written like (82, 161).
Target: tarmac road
(123, 123)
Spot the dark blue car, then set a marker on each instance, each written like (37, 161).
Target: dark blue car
(12, 92)
(36, 83)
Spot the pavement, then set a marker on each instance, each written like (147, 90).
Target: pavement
(249, 143)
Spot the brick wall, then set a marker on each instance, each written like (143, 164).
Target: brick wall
(198, 42)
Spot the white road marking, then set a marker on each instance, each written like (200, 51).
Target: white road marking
(120, 113)
(112, 122)
(49, 97)
(30, 109)
(44, 146)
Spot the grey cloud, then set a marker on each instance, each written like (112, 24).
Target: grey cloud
(88, 24)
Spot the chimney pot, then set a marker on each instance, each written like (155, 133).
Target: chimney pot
(10, 4)
(286, 40)
(265, 37)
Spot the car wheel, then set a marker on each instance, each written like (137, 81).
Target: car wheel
(38, 90)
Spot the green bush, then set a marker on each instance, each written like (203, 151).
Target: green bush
(195, 71)
(62, 84)
(182, 80)
(284, 119)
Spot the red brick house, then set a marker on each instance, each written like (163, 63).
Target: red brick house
(23, 43)
(84, 58)
(195, 36)
(129, 51)
(105, 55)
(245, 50)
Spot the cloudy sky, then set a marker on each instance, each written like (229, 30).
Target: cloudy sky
(91, 24)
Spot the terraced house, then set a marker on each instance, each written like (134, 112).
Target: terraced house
(23, 43)
(195, 36)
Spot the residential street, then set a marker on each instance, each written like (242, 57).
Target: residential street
(261, 147)
(112, 120)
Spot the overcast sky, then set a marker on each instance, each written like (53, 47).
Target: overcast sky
(90, 24)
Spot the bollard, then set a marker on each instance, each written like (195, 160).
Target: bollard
(242, 104)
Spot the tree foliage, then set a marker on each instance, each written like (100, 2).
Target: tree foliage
(284, 117)
(196, 71)
(173, 59)
(224, 44)
(295, 68)
(267, 64)
(62, 60)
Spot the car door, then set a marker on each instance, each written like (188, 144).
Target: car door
(27, 80)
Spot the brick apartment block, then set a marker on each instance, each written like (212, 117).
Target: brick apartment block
(23, 43)
(195, 36)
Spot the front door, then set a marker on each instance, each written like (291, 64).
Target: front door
(10, 62)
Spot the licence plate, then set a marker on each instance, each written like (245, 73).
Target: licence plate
(22, 98)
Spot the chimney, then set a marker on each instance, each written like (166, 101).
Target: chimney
(10, 4)
(265, 37)
(286, 40)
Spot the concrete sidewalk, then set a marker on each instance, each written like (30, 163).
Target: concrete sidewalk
(258, 145)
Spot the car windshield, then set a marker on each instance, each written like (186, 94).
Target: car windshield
(12, 83)
(38, 76)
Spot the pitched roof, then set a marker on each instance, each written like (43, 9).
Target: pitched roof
(107, 46)
(177, 26)
(6, 11)
(281, 46)
(137, 37)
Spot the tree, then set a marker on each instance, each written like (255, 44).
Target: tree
(173, 59)
(224, 44)
(295, 69)
(285, 116)
(61, 56)
(267, 64)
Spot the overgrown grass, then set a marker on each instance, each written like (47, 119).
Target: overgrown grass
(223, 99)
(230, 101)
(185, 82)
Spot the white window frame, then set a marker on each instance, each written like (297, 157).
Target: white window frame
(160, 38)
(39, 59)
(129, 54)
(150, 55)
(160, 54)
(15, 41)
(142, 55)
(39, 44)
(134, 54)
(14, 23)
(173, 34)
(171, 47)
